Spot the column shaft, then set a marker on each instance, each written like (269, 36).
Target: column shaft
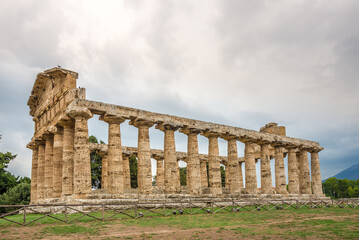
(144, 175)
(104, 172)
(316, 176)
(204, 177)
(58, 151)
(126, 172)
(68, 159)
(49, 170)
(160, 180)
(41, 172)
(304, 176)
(266, 175)
(280, 182)
(115, 162)
(172, 184)
(193, 165)
(250, 168)
(233, 173)
(34, 170)
(214, 171)
(293, 178)
(82, 163)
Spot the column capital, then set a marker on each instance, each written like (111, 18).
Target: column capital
(54, 130)
(32, 145)
(315, 149)
(79, 112)
(189, 130)
(111, 118)
(137, 122)
(229, 137)
(167, 126)
(209, 133)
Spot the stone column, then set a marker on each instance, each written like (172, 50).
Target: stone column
(240, 175)
(144, 174)
(160, 179)
(57, 159)
(232, 165)
(172, 183)
(214, 170)
(34, 170)
(250, 168)
(204, 177)
(49, 169)
(226, 176)
(293, 180)
(82, 162)
(266, 175)
(68, 157)
(193, 163)
(115, 162)
(304, 176)
(316, 176)
(104, 170)
(126, 171)
(280, 182)
(41, 172)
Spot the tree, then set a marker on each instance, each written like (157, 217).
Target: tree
(133, 171)
(183, 175)
(96, 165)
(7, 180)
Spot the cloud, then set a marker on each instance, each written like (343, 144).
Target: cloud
(242, 63)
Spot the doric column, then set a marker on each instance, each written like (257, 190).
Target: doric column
(266, 175)
(126, 171)
(193, 163)
(316, 176)
(68, 157)
(304, 176)
(115, 162)
(57, 159)
(280, 182)
(34, 169)
(226, 176)
(240, 175)
(82, 162)
(250, 168)
(204, 177)
(49, 169)
(160, 178)
(172, 183)
(144, 173)
(232, 165)
(41, 172)
(293, 178)
(214, 170)
(104, 170)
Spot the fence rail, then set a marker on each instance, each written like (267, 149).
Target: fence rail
(103, 212)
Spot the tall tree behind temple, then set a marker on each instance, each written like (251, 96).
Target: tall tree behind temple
(96, 165)
(133, 171)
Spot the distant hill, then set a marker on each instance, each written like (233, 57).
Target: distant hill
(351, 173)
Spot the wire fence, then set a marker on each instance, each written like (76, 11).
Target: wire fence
(24, 215)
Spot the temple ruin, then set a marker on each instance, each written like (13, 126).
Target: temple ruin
(61, 170)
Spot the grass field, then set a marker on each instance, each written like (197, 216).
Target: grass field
(320, 223)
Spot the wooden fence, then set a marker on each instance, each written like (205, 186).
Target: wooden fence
(103, 212)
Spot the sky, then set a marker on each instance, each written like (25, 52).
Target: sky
(240, 63)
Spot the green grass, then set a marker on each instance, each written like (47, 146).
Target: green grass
(325, 223)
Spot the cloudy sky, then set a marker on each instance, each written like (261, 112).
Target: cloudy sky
(242, 63)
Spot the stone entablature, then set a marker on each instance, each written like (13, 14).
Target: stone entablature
(61, 167)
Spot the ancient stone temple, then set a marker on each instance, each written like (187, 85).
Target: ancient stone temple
(61, 169)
